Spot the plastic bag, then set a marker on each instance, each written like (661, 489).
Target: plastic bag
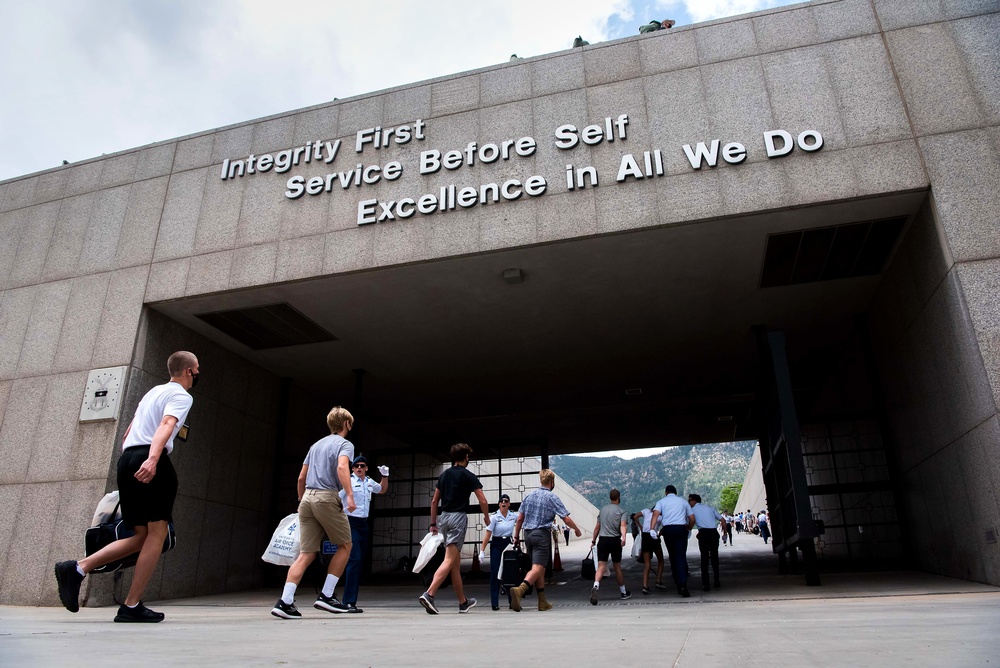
(105, 508)
(428, 548)
(284, 546)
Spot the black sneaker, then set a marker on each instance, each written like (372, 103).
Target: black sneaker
(330, 604)
(139, 614)
(69, 579)
(660, 585)
(469, 604)
(646, 591)
(627, 595)
(684, 591)
(353, 608)
(427, 601)
(593, 596)
(496, 607)
(285, 610)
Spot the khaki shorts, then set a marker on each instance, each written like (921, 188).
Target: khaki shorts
(321, 512)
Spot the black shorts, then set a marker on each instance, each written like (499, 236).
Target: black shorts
(650, 544)
(609, 546)
(143, 503)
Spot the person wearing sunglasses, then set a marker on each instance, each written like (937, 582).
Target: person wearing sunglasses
(363, 487)
(498, 536)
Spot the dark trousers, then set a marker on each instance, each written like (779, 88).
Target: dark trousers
(708, 544)
(359, 545)
(497, 546)
(675, 537)
(765, 531)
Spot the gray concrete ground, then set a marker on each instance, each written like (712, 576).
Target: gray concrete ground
(757, 618)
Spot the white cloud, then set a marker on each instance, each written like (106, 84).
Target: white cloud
(705, 10)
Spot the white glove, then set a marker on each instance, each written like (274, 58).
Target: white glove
(482, 556)
(384, 470)
(653, 534)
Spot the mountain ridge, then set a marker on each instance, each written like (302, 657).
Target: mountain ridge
(700, 469)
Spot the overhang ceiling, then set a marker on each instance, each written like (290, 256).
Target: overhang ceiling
(451, 349)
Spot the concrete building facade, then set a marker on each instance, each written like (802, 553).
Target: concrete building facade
(549, 255)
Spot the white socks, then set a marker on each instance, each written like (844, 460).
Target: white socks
(330, 585)
(288, 595)
(80, 570)
(597, 585)
(621, 588)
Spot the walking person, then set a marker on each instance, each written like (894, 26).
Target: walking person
(650, 547)
(453, 489)
(326, 472)
(609, 536)
(765, 530)
(677, 519)
(706, 518)
(363, 488)
(565, 530)
(147, 487)
(727, 529)
(498, 537)
(539, 510)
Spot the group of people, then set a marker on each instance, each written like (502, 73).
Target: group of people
(748, 522)
(333, 487)
(334, 493)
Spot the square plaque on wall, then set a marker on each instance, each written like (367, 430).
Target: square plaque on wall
(102, 397)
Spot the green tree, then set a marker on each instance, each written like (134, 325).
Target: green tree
(728, 497)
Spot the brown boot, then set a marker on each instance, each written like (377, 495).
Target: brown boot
(515, 597)
(543, 605)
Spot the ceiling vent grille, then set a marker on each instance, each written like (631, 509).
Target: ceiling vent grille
(271, 326)
(829, 253)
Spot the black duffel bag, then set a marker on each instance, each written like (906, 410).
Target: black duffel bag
(99, 537)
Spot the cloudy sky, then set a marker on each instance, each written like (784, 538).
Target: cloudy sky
(79, 78)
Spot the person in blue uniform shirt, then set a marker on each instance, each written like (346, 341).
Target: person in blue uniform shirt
(498, 536)
(363, 488)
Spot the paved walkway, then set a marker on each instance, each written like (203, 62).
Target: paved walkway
(757, 618)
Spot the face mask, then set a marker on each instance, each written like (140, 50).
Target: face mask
(194, 379)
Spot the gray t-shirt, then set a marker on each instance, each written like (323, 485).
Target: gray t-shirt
(611, 520)
(322, 462)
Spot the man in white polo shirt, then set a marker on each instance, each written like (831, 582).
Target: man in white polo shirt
(676, 518)
(147, 486)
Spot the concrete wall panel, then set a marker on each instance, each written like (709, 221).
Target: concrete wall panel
(100, 246)
(142, 219)
(80, 323)
(726, 40)
(316, 124)
(499, 86)
(667, 51)
(606, 64)
(39, 223)
(155, 161)
(738, 104)
(41, 338)
(19, 194)
(869, 101)
(179, 219)
(119, 170)
(51, 186)
(958, 164)
(557, 74)
(193, 153)
(66, 245)
(120, 319)
(15, 313)
(167, 280)
(935, 80)
(981, 284)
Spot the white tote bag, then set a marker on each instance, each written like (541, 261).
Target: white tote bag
(428, 548)
(284, 546)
